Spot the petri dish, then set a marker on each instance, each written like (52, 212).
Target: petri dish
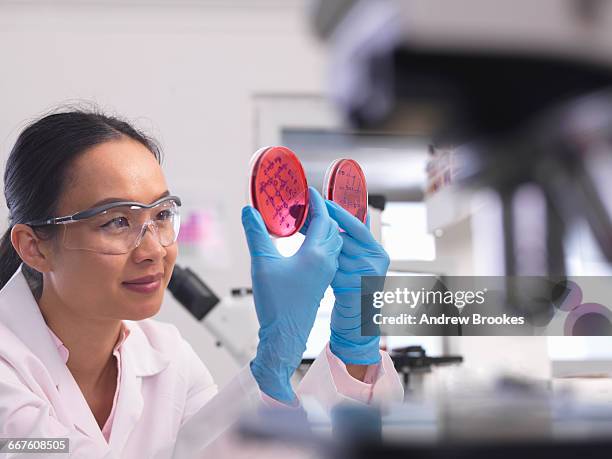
(279, 190)
(345, 184)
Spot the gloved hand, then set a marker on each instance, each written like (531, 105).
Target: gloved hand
(361, 255)
(287, 293)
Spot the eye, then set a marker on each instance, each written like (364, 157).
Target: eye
(116, 223)
(165, 215)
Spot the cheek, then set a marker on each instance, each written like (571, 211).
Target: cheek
(90, 277)
(170, 260)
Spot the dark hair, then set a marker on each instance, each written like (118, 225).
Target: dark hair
(37, 168)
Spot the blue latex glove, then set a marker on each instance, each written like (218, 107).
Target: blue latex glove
(287, 293)
(361, 255)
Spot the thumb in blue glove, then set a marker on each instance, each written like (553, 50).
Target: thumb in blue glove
(287, 292)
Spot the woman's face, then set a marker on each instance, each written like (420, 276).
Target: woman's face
(101, 286)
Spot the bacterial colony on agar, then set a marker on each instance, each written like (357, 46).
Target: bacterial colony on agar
(279, 190)
(345, 184)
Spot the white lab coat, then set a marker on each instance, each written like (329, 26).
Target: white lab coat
(168, 405)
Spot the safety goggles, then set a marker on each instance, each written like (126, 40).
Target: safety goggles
(119, 227)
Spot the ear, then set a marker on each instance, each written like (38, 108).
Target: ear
(33, 251)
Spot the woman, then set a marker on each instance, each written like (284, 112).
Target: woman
(89, 251)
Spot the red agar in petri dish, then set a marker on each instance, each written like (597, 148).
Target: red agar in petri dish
(279, 190)
(345, 184)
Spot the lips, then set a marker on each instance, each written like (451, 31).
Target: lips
(146, 284)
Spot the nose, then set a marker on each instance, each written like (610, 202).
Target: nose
(148, 241)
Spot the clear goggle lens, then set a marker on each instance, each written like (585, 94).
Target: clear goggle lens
(121, 229)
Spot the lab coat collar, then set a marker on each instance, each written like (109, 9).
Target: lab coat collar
(146, 361)
(19, 311)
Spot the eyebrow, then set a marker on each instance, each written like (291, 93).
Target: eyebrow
(110, 200)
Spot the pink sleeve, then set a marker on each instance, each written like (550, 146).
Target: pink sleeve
(273, 403)
(349, 386)
(346, 385)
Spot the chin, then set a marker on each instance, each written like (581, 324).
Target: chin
(143, 309)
